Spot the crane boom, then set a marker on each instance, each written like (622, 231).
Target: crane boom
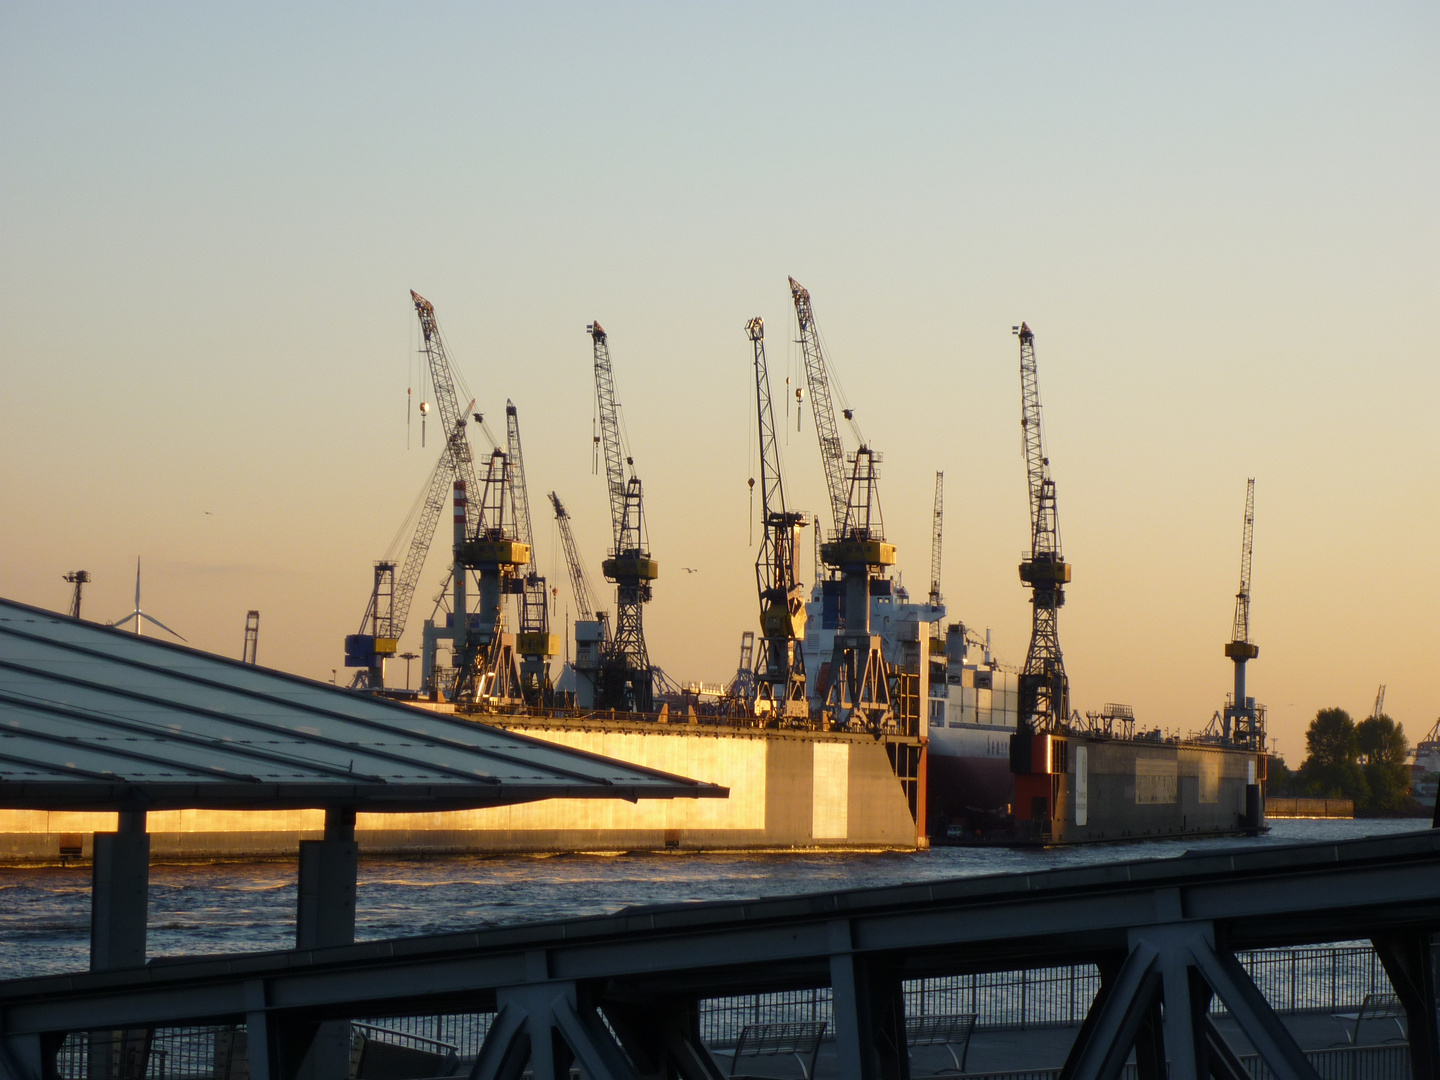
(442, 378)
(1044, 527)
(936, 533)
(519, 494)
(609, 411)
(579, 583)
(1243, 721)
(1241, 632)
(822, 407)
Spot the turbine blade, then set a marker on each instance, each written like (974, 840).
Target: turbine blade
(127, 618)
(157, 622)
(137, 583)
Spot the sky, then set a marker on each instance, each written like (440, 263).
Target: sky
(1221, 221)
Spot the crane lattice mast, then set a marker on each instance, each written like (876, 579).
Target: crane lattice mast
(579, 580)
(822, 407)
(1241, 718)
(628, 683)
(780, 670)
(937, 531)
(1044, 687)
(535, 643)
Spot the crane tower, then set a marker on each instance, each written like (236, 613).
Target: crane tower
(535, 643)
(1242, 719)
(1044, 688)
(780, 670)
(486, 673)
(627, 681)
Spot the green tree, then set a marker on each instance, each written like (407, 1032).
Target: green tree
(1280, 779)
(1383, 751)
(1331, 769)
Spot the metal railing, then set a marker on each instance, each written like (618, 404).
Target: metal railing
(1328, 979)
(1292, 980)
(1343, 1063)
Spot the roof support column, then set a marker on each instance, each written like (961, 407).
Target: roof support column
(120, 894)
(325, 910)
(325, 915)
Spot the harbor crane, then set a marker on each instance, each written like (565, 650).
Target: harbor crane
(78, 578)
(592, 628)
(627, 682)
(535, 643)
(779, 684)
(1379, 709)
(486, 670)
(860, 691)
(1241, 720)
(1044, 688)
(384, 620)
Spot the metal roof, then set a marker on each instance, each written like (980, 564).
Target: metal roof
(93, 718)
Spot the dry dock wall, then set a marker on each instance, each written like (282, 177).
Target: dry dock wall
(1121, 789)
(787, 790)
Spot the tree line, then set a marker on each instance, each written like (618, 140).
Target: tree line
(1365, 762)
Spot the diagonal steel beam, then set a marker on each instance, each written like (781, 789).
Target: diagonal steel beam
(1274, 1043)
(1115, 1020)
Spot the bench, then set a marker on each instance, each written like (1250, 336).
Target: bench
(1375, 1007)
(770, 1045)
(950, 1031)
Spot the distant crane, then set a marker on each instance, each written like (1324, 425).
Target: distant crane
(860, 691)
(251, 648)
(627, 681)
(535, 643)
(592, 628)
(383, 623)
(779, 681)
(1043, 685)
(1379, 709)
(937, 531)
(1241, 720)
(79, 578)
(741, 690)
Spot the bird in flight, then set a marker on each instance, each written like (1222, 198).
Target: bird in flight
(689, 570)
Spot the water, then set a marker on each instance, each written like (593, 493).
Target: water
(245, 907)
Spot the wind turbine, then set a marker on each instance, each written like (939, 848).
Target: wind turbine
(139, 616)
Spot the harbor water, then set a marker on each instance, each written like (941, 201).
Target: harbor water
(244, 907)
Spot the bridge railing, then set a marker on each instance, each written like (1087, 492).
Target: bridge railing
(1329, 979)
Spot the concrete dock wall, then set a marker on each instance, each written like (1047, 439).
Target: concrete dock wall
(787, 790)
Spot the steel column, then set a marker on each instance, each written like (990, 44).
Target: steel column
(869, 1012)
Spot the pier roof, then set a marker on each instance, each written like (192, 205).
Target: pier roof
(93, 718)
